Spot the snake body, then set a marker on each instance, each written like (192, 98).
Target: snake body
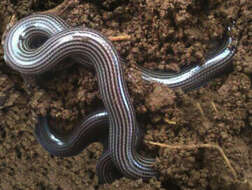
(39, 43)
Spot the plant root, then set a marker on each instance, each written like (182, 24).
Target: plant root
(196, 146)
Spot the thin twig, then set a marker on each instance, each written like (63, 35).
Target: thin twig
(67, 3)
(170, 121)
(195, 146)
(61, 7)
(200, 109)
(12, 21)
(214, 107)
(119, 38)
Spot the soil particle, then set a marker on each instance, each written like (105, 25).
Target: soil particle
(160, 97)
(165, 35)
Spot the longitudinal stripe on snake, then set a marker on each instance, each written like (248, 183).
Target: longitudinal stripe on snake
(38, 43)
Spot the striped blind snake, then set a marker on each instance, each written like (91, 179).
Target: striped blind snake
(38, 43)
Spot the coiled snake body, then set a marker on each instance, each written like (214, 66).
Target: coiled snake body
(39, 42)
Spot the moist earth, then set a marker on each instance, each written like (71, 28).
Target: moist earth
(165, 35)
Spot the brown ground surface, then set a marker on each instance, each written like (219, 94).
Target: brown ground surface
(165, 34)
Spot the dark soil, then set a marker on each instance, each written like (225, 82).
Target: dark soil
(165, 34)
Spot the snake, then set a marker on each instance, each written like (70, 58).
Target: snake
(38, 43)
